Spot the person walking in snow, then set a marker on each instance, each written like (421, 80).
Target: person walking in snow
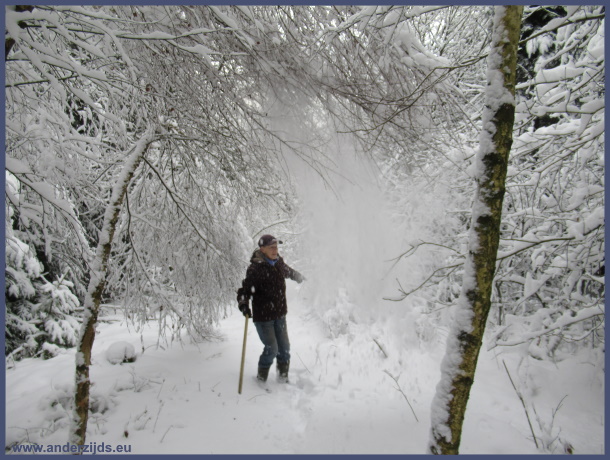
(265, 284)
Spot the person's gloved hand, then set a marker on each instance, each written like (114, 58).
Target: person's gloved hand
(245, 309)
(296, 276)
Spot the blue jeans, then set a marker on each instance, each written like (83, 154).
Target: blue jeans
(274, 335)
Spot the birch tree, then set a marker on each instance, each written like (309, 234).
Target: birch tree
(107, 128)
(465, 337)
(97, 284)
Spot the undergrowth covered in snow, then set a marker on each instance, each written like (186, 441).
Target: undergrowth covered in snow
(355, 388)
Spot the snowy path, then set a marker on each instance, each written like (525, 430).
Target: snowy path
(341, 399)
(184, 399)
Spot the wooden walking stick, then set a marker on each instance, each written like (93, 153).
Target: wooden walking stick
(243, 356)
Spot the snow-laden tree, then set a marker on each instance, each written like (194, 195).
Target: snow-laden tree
(388, 83)
(210, 176)
(61, 71)
(491, 164)
(145, 110)
(39, 314)
(550, 282)
(431, 153)
(549, 288)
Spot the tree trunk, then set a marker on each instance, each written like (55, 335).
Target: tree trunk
(9, 42)
(97, 283)
(466, 335)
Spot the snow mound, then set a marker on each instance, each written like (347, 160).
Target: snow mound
(121, 352)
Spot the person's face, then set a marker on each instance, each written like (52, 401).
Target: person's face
(270, 251)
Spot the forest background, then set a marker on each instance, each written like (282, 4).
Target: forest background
(147, 147)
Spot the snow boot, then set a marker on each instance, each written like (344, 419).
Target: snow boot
(262, 375)
(282, 368)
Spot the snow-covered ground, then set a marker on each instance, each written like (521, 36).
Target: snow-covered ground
(348, 394)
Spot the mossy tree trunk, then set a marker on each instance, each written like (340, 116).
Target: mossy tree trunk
(97, 283)
(466, 335)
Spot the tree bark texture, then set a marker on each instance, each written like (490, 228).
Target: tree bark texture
(97, 283)
(466, 335)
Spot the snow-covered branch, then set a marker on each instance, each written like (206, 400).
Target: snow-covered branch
(566, 319)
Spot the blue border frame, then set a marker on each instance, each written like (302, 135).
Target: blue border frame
(249, 2)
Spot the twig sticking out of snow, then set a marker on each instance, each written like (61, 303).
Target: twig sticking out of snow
(157, 419)
(163, 437)
(403, 393)
(303, 364)
(162, 383)
(548, 438)
(523, 404)
(381, 348)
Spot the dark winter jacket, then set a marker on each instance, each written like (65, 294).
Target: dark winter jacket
(266, 286)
